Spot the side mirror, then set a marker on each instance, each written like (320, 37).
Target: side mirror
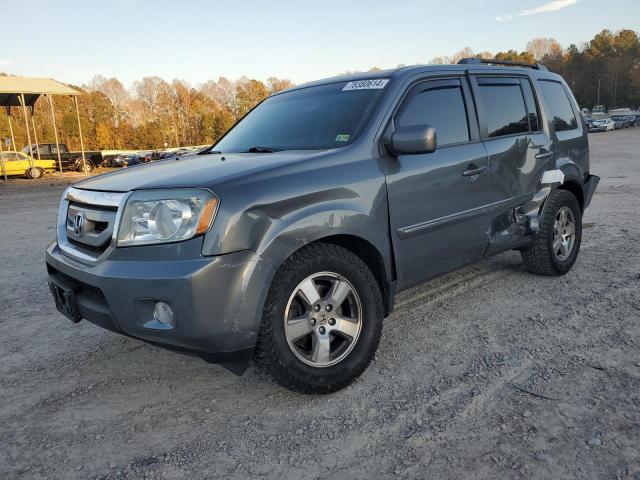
(414, 139)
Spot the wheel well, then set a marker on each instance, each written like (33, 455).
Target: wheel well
(369, 255)
(576, 189)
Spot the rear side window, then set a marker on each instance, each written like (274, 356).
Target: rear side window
(557, 101)
(441, 105)
(504, 107)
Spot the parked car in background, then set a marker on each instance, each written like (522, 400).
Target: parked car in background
(108, 161)
(623, 121)
(146, 156)
(19, 163)
(588, 122)
(121, 160)
(133, 160)
(70, 160)
(618, 122)
(604, 125)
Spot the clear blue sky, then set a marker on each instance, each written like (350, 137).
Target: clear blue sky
(301, 40)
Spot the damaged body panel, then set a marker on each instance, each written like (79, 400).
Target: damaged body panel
(493, 144)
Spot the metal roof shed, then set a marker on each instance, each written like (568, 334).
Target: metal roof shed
(23, 92)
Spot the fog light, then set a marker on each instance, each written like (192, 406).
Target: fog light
(163, 314)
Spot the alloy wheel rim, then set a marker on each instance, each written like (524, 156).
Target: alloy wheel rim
(564, 233)
(323, 319)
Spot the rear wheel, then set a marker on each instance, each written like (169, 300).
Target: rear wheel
(322, 320)
(557, 243)
(34, 173)
(85, 167)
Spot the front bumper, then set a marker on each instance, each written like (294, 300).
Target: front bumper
(217, 300)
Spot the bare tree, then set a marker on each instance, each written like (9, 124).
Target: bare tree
(149, 91)
(275, 84)
(113, 89)
(444, 60)
(542, 46)
(466, 52)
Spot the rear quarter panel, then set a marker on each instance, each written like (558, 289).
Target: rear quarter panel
(571, 147)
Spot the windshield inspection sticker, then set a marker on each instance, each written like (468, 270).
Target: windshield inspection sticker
(374, 84)
(343, 138)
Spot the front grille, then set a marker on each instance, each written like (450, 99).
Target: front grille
(94, 293)
(90, 249)
(88, 223)
(107, 208)
(100, 226)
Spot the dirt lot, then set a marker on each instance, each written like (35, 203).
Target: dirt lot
(446, 396)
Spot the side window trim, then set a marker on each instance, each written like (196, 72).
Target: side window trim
(460, 81)
(422, 87)
(535, 106)
(497, 80)
(493, 78)
(574, 132)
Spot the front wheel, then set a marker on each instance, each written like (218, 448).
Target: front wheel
(322, 320)
(556, 245)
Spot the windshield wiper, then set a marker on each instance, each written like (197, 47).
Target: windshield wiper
(208, 150)
(259, 149)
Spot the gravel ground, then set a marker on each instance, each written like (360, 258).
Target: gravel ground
(487, 372)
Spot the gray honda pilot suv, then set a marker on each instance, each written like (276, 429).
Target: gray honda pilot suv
(287, 241)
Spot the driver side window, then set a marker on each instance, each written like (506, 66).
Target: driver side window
(439, 103)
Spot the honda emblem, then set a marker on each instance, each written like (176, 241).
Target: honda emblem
(78, 223)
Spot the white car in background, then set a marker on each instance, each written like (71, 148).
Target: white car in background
(604, 125)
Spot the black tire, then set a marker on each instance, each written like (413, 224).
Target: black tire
(84, 167)
(273, 353)
(540, 258)
(34, 173)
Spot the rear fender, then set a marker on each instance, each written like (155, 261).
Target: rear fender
(514, 229)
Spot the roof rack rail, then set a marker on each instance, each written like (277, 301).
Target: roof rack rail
(483, 61)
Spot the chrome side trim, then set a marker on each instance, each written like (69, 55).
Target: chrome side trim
(421, 227)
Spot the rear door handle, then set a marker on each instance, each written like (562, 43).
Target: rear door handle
(544, 155)
(473, 170)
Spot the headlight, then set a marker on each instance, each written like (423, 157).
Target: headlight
(164, 216)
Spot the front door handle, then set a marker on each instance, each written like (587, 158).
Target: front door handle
(473, 171)
(544, 155)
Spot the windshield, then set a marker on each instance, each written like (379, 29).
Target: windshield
(314, 118)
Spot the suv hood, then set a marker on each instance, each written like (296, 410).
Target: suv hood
(191, 170)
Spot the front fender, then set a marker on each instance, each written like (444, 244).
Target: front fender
(322, 221)
(283, 237)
